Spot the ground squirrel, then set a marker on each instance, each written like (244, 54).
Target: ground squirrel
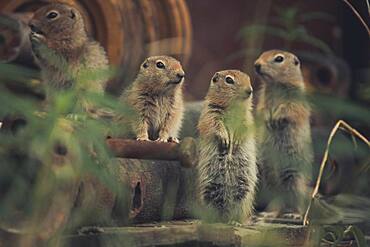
(156, 97)
(62, 49)
(284, 137)
(227, 165)
(67, 58)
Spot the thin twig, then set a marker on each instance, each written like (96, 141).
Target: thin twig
(347, 128)
(358, 16)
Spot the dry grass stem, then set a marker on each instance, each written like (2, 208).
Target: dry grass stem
(339, 125)
(358, 15)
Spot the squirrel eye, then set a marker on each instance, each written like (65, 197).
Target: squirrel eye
(52, 15)
(229, 80)
(279, 59)
(160, 65)
(145, 65)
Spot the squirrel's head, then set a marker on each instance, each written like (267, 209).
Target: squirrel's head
(230, 85)
(277, 66)
(161, 72)
(58, 26)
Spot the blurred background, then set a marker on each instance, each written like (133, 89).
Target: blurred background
(206, 36)
(326, 35)
(212, 35)
(333, 46)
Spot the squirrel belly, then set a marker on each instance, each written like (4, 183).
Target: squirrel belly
(228, 181)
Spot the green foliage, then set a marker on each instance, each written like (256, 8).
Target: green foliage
(290, 26)
(235, 119)
(61, 143)
(340, 107)
(339, 235)
(357, 234)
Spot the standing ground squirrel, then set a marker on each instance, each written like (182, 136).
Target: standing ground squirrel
(69, 60)
(63, 50)
(285, 137)
(227, 164)
(156, 96)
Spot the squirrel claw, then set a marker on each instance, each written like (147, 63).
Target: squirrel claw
(268, 214)
(161, 140)
(90, 230)
(235, 223)
(142, 139)
(173, 139)
(294, 216)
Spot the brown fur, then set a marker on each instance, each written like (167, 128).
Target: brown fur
(227, 170)
(156, 96)
(63, 50)
(66, 57)
(285, 135)
(222, 95)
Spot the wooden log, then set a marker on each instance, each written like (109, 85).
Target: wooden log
(158, 190)
(37, 212)
(125, 191)
(129, 30)
(185, 152)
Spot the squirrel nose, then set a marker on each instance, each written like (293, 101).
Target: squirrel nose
(257, 67)
(34, 29)
(180, 75)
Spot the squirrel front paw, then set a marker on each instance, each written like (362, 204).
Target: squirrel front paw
(224, 143)
(143, 137)
(173, 139)
(163, 137)
(234, 223)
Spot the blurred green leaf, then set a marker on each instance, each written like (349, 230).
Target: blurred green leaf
(357, 234)
(289, 26)
(342, 108)
(315, 15)
(261, 29)
(309, 39)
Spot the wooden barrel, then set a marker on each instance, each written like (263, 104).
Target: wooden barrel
(129, 30)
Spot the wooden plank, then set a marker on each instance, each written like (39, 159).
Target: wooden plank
(141, 235)
(182, 232)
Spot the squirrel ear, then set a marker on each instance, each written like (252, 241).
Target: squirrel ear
(145, 65)
(73, 14)
(215, 77)
(296, 61)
